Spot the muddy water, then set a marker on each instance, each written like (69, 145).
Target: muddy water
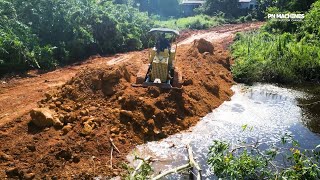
(271, 111)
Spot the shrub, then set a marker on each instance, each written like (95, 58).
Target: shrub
(249, 161)
(248, 18)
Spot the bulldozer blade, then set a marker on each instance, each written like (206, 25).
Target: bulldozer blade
(160, 85)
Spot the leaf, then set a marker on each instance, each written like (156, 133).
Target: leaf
(244, 127)
(295, 143)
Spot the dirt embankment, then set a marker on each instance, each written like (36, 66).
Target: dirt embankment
(19, 95)
(99, 105)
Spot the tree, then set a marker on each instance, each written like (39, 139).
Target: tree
(47, 33)
(311, 24)
(229, 7)
(282, 6)
(295, 5)
(164, 8)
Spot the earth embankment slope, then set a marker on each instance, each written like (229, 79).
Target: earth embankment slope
(99, 104)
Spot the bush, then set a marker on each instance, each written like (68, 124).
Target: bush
(311, 23)
(47, 33)
(248, 18)
(16, 41)
(249, 161)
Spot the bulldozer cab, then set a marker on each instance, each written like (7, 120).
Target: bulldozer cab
(163, 40)
(161, 70)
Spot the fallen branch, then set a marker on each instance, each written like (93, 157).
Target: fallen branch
(174, 170)
(138, 167)
(193, 163)
(115, 147)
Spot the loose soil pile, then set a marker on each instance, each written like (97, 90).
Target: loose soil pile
(72, 129)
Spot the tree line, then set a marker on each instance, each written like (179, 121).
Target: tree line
(47, 33)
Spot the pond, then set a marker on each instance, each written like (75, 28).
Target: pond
(268, 111)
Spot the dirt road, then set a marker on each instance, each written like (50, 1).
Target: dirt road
(19, 95)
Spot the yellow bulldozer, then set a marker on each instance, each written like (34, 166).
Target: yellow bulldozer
(161, 70)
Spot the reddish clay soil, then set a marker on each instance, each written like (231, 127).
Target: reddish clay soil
(96, 103)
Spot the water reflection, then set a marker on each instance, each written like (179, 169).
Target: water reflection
(311, 107)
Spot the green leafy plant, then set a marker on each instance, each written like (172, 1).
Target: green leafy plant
(143, 172)
(249, 161)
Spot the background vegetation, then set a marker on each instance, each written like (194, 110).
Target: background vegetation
(47, 33)
(192, 22)
(274, 55)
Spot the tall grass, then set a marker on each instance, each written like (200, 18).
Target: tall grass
(272, 57)
(264, 57)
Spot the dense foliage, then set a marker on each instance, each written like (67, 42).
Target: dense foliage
(295, 5)
(231, 8)
(250, 161)
(16, 40)
(282, 6)
(47, 33)
(280, 57)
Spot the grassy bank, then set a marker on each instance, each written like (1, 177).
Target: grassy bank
(192, 22)
(286, 58)
(261, 56)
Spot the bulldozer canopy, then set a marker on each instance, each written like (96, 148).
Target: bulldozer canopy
(164, 30)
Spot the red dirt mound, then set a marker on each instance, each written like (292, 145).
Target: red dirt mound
(203, 46)
(99, 104)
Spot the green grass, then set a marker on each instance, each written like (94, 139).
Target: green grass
(193, 22)
(274, 55)
(265, 57)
